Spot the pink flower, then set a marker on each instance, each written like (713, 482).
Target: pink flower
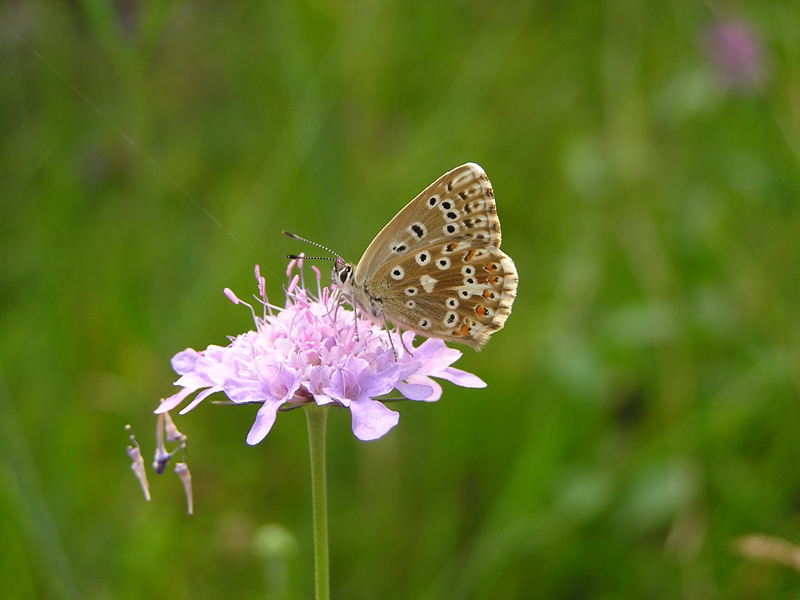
(315, 350)
(736, 52)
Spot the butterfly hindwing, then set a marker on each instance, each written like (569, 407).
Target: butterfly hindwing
(465, 296)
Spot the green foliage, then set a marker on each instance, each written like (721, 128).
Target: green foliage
(642, 412)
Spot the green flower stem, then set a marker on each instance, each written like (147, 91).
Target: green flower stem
(317, 416)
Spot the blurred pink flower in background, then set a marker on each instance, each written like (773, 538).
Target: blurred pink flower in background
(736, 53)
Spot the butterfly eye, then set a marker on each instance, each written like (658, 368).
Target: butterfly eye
(344, 275)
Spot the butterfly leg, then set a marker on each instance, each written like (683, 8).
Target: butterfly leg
(344, 297)
(402, 341)
(355, 315)
(389, 329)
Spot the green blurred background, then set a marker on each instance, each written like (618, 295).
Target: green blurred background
(642, 410)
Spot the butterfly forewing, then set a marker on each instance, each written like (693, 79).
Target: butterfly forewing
(457, 206)
(436, 268)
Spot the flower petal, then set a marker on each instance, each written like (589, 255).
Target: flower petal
(436, 356)
(246, 390)
(174, 400)
(322, 399)
(416, 391)
(200, 397)
(183, 362)
(461, 378)
(265, 419)
(194, 380)
(382, 382)
(371, 419)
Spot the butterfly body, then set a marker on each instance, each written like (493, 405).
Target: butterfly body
(437, 268)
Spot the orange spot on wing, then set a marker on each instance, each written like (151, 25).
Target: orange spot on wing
(481, 310)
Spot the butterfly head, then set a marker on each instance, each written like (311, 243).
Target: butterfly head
(342, 273)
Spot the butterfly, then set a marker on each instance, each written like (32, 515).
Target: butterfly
(437, 268)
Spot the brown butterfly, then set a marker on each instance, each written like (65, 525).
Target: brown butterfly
(437, 268)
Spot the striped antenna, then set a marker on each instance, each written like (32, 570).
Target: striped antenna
(302, 239)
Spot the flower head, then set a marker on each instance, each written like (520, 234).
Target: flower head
(315, 350)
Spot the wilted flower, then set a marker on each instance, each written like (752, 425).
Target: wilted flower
(137, 465)
(165, 428)
(315, 350)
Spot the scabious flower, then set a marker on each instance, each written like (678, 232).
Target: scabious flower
(315, 349)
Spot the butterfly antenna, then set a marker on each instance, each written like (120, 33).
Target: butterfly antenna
(302, 239)
(304, 257)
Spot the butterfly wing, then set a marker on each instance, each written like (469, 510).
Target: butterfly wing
(465, 297)
(458, 206)
(437, 268)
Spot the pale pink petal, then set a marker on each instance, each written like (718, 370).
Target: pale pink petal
(461, 378)
(192, 380)
(199, 398)
(174, 400)
(265, 419)
(431, 384)
(183, 362)
(322, 399)
(417, 391)
(246, 390)
(371, 419)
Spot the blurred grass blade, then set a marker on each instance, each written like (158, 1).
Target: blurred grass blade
(23, 491)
